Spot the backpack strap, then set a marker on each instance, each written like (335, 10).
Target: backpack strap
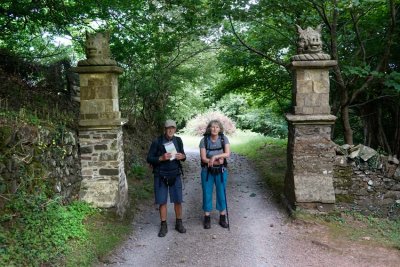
(221, 135)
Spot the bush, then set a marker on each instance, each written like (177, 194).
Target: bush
(197, 126)
(263, 121)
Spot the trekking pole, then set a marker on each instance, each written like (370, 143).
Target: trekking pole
(226, 204)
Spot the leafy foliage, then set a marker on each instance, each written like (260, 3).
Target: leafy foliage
(36, 229)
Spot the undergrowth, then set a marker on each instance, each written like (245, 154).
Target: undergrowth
(35, 229)
(357, 227)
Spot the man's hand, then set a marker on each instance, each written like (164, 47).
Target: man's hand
(165, 156)
(180, 156)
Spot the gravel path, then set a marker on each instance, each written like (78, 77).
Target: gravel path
(261, 233)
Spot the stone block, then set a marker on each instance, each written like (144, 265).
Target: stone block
(110, 136)
(320, 75)
(86, 149)
(101, 147)
(320, 87)
(308, 110)
(109, 172)
(104, 92)
(324, 99)
(109, 156)
(87, 93)
(93, 116)
(109, 105)
(304, 87)
(314, 188)
(101, 193)
(299, 100)
(311, 100)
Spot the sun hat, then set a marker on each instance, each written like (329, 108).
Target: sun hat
(170, 123)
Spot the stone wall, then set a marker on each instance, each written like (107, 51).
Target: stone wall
(370, 185)
(38, 155)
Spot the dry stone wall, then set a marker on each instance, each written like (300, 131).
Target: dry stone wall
(366, 181)
(38, 156)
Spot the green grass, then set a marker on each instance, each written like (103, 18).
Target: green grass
(105, 229)
(106, 232)
(357, 227)
(269, 156)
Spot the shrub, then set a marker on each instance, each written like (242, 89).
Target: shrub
(263, 121)
(197, 126)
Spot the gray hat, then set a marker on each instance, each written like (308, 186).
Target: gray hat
(169, 123)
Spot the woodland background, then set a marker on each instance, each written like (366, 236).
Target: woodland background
(184, 58)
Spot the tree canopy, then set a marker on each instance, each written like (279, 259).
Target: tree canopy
(182, 57)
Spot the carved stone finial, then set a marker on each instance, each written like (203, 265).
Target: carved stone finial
(97, 50)
(309, 44)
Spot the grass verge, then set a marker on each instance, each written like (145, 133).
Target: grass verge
(106, 231)
(269, 156)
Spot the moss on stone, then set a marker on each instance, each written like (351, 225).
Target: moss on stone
(5, 136)
(342, 177)
(344, 198)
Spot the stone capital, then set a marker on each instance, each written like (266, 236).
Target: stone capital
(98, 69)
(310, 119)
(101, 124)
(313, 64)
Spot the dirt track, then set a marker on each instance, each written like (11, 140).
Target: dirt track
(261, 233)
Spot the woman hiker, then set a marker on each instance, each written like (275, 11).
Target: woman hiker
(214, 150)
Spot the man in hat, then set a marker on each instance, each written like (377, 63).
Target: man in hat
(165, 155)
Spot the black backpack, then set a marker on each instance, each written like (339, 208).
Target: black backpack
(206, 136)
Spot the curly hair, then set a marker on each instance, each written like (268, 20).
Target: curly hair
(208, 129)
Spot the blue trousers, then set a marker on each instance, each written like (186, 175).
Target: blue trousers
(208, 186)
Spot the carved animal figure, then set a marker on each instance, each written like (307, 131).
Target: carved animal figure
(309, 41)
(97, 50)
(97, 45)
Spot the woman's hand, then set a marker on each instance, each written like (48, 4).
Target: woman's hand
(215, 160)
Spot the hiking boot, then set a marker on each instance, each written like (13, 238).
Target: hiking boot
(163, 229)
(179, 226)
(207, 222)
(222, 221)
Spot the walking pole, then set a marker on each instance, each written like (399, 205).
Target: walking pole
(226, 203)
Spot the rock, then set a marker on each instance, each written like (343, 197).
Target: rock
(393, 160)
(366, 152)
(346, 146)
(395, 187)
(396, 174)
(392, 194)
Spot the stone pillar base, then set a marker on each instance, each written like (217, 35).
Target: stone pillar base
(102, 161)
(309, 177)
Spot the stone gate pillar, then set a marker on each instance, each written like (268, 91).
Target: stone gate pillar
(310, 151)
(100, 127)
